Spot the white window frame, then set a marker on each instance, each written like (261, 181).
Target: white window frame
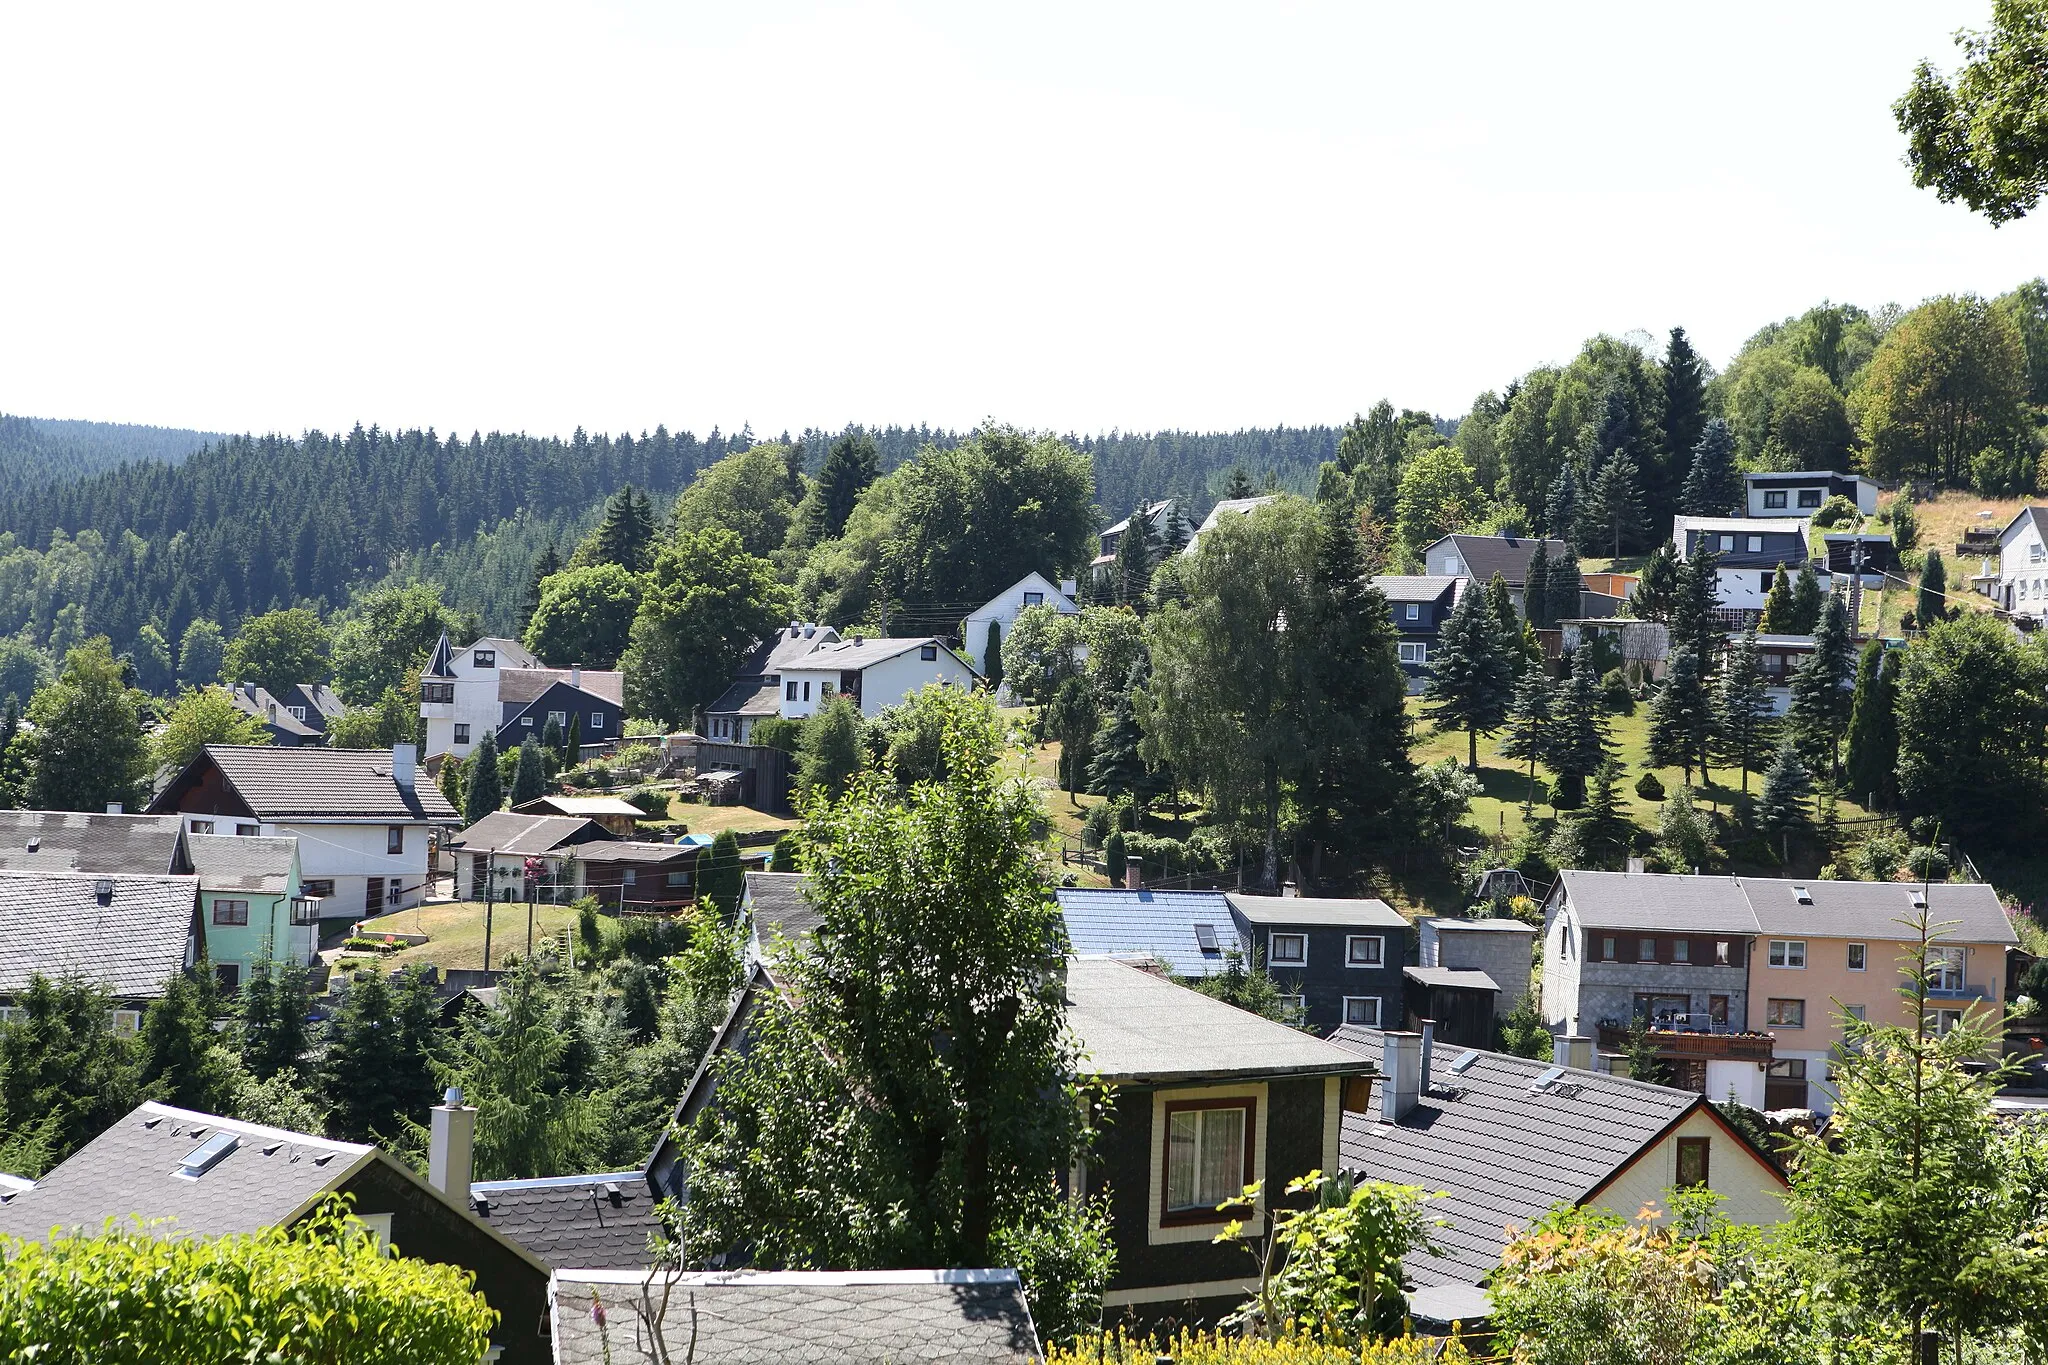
(1858, 957)
(1413, 611)
(1351, 942)
(560, 718)
(1782, 951)
(597, 720)
(297, 712)
(12, 1013)
(125, 1023)
(1945, 1019)
(1363, 1000)
(1725, 543)
(1947, 968)
(1273, 958)
(1756, 545)
(1414, 652)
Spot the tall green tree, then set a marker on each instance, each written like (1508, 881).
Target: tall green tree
(1130, 573)
(1693, 623)
(385, 633)
(1536, 589)
(1603, 826)
(1561, 511)
(485, 791)
(274, 1037)
(545, 567)
(1071, 719)
(1931, 604)
(1779, 617)
(1962, 757)
(1115, 766)
(1578, 732)
(1781, 809)
(851, 464)
(199, 717)
(1436, 498)
(1682, 717)
(832, 750)
(1471, 683)
(529, 779)
(1873, 749)
(707, 602)
(748, 494)
(720, 877)
(1980, 137)
(1819, 714)
(378, 1067)
(1947, 383)
(992, 656)
(1563, 588)
(181, 1064)
(65, 1077)
(278, 650)
(1712, 486)
(1806, 601)
(1685, 375)
(1529, 720)
(201, 650)
(511, 1063)
(1657, 588)
(584, 615)
(86, 747)
(624, 535)
(1744, 721)
(1614, 504)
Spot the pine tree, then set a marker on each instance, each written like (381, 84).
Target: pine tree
(1116, 769)
(529, 779)
(180, 1064)
(1615, 503)
(1471, 682)
(1578, 731)
(1528, 735)
(1176, 538)
(1564, 587)
(1681, 717)
(485, 792)
(1685, 404)
(1536, 589)
(851, 464)
(1781, 808)
(1561, 514)
(1131, 571)
(626, 534)
(1872, 766)
(1239, 484)
(1821, 700)
(1657, 586)
(378, 1065)
(1503, 604)
(1806, 602)
(1711, 486)
(274, 1018)
(992, 657)
(1778, 605)
(1745, 726)
(720, 879)
(1603, 827)
(1693, 624)
(1933, 600)
(572, 743)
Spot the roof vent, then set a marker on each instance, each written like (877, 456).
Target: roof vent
(323, 1158)
(208, 1154)
(153, 1122)
(482, 1203)
(1464, 1063)
(1549, 1078)
(613, 1194)
(35, 843)
(270, 1149)
(1802, 895)
(103, 890)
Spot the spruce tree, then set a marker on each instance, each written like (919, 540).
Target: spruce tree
(1781, 808)
(1712, 488)
(1131, 571)
(1471, 683)
(1657, 586)
(1176, 538)
(1536, 589)
(851, 464)
(1693, 623)
(1564, 587)
(720, 879)
(626, 534)
(1578, 731)
(1561, 513)
(1685, 404)
(1615, 503)
(572, 743)
(1681, 717)
(1503, 604)
(1744, 724)
(1603, 828)
(1778, 605)
(1872, 766)
(1932, 604)
(549, 563)
(1528, 735)
(1238, 485)
(274, 1035)
(378, 1065)
(485, 792)
(180, 1064)
(529, 779)
(1821, 700)
(1806, 602)
(1115, 768)
(992, 657)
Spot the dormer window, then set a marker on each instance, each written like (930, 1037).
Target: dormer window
(1034, 599)
(297, 712)
(485, 658)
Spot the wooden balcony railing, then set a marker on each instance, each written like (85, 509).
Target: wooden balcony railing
(1754, 1047)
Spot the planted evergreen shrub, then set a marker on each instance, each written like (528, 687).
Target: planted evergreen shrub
(1649, 788)
(1113, 855)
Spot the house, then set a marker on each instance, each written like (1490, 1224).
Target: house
(1163, 520)
(1192, 934)
(500, 855)
(297, 715)
(1479, 558)
(362, 818)
(83, 841)
(1341, 960)
(861, 1317)
(1643, 647)
(251, 904)
(1000, 612)
(756, 693)
(130, 934)
(1873, 551)
(774, 904)
(1203, 1099)
(1502, 947)
(876, 673)
(1780, 656)
(1505, 1139)
(1801, 493)
(626, 874)
(1419, 605)
(1229, 507)
(619, 816)
(605, 1221)
(1749, 551)
(189, 1174)
(2022, 583)
(498, 685)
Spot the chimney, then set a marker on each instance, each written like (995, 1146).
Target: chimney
(114, 808)
(404, 759)
(576, 675)
(1069, 586)
(1572, 1049)
(1401, 1075)
(451, 1147)
(1134, 872)
(1428, 1047)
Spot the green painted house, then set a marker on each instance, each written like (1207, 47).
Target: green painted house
(251, 903)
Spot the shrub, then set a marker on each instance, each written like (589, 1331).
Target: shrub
(1296, 1346)
(1684, 832)
(641, 756)
(1530, 855)
(1113, 855)
(1615, 694)
(1836, 511)
(1927, 864)
(1212, 848)
(652, 803)
(651, 938)
(600, 777)
(589, 933)
(1649, 788)
(1878, 858)
(358, 943)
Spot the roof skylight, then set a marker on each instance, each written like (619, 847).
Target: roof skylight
(208, 1154)
(1548, 1079)
(1464, 1062)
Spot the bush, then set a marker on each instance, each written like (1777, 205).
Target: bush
(642, 756)
(1836, 511)
(1530, 855)
(1878, 858)
(778, 732)
(1214, 847)
(1095, 824)
(589, 933)
(1159, 854)
(651, 938)
(358, 943)
(1295, 1347)
(1927, 864)
(1113, 855)
(652, 803)
(1684, 832)
(1649, 788)
(600, 777)
(1615, 694)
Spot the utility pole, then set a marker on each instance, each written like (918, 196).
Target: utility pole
(1856, 587)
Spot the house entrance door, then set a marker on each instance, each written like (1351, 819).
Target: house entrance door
(373, 898)
(1785, 1084)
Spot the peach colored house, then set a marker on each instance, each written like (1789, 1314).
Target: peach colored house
(1824, 949)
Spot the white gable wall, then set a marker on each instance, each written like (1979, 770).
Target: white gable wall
(2023, 570)
(1750, 1192)
(1003, 609)
(881, 685)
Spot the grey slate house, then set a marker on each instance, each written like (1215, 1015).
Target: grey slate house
(130, 934)
(81, 841)
(1479, 558)
(1502, 948)
(1419, 604)
(859, 1317)
(1341, 958)
(603, 1222)
(296, 715)
(528, 698)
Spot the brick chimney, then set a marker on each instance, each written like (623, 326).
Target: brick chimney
(1134, 872)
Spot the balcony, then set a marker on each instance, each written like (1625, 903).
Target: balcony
(1716, 1042)
(1963, 993)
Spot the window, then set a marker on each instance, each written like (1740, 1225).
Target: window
(1646, 950)
(1727, 542)
(1412, 611)
(629, 876)
(231, 912)
(1414, 652)
(1289, 950)
(1034, 599)
(789, 691)
(807, 691)
(597, 719)
(1607, 950)
(298, 712)
(1681, 950)
(1364, 950)
(245, 829)
(1764, 583)
(485, 658)
(437, 692)
(1208, 1156)
(1809, 497)
(2036, 553)
(1854, 1012)
(1775, 499)
(560, 718)
(1859, 957)
(1362, 1009)
(824, 691)
(1944, 1020)
(928, 652)
(125, 1021)
(678, 879)
(202, 826)
(1692, 1162)
(461, 733)
(1722, 956)
(527, 721)
(1945, 969)
(1756, 544)
(322, 888)
(1787, 952)
(1786, 1014)
(229, 975)
(394, 838)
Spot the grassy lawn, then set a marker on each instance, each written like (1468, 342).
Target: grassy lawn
(706, 819)
(456, 932)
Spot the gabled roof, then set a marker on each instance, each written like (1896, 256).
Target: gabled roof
(776, 901)
(2037, 515)
(310, 783)
(633, 851)
(274, 710)
(1502, 1152)
(1241, 507)
(52, 923)
(1137, 1028)
(519, 685)
(602, 1221)
(859, 654)
(790, 643)
(506, 831)
(1747, 906)
(856, 1317)
(1507, 556)
(1419, 587)
(1659, 900)
(242, 862)
(589, 807)
(1032, 582)
(81, 841)
(440, 663)
(511, 653)
(1314, 911)
(748, 697)
(1162, 925)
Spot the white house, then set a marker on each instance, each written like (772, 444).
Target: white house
(2022, 584)
(1229, 507)
(1162, 519)
(756, 693)
(1749, 552)
(875, 673)
(1032, 590)
(493, 683)
(1801, 493)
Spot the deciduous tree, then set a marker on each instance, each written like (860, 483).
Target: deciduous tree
(1980, 138)
(199, 717)
(86, 747)
(278, 650)
(707, 602)
(584, 615)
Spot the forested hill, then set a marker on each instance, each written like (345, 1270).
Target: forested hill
(40, 450)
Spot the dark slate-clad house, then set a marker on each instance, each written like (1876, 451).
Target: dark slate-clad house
(1342, 958)
(601, 1222)
(294, 715)
(1419, 605)
(1204, 1099)
(528, 703)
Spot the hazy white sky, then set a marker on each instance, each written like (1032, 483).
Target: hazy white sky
(1067, 216)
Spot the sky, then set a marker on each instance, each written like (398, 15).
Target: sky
(1074, 217)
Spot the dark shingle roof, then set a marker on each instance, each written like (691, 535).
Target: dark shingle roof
(602, 1222)
(859, 1317)
(518, 685)
(776, 900)
(53, 923)
(76, 841)
(1158, 924)
(1656, 900)
(512, 832)
(1770, 905)
(1310, 910)
(1507, 556)
(1135, 1027)
(440, 663)
(1501, 1153)
(631, 851)
(748, 697)
(128, 1171)
(1417, 587)
(323, 784)
(242, 862)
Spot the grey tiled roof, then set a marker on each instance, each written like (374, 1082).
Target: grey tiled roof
(631, 851)
(52, 923)
(1156, 924)
(1507, 556)
(315, 783)
(1770, 905)
(128, 1170)
(790, 643)
(83, 842)
(243, 862)
(601, 1222)
(1416, 587)
(864, 1317)
(1501, 1153)
(511, 832)
(776, 900)
(1310, 910)
(857, 654)
(749, 697)
(1135, 1027)
(1463, 979)
(517, 685)
(1656, 900)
